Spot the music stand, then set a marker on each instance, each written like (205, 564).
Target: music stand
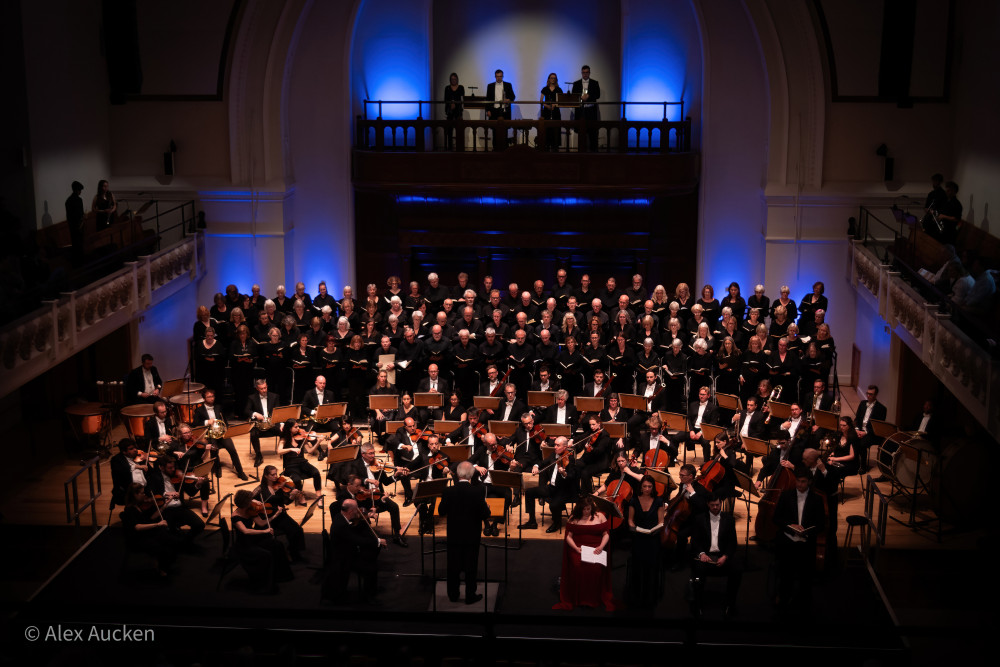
(431, 399)
(729, 402)
(609, 508)
(662, 477)
(754, 446)
(505, 479)
(556, 430)
(615, 430)
(383, 402)
(234, 431)
(310, 510)
(444, 427)
(456, 453)
(217, 510)
(568, 100)
(744, 481)
(547, 452)
(673, 421)
(709, 431)
(589, 403)
(781, 410)
(541, 399)
(330, 411)
(285, 412)
(487, 402)
(393, 425)
(632, 402)
(826, 420)
(882, 429)
(172, 388)
(502, 429)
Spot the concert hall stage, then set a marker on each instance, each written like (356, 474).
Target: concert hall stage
(193, 621)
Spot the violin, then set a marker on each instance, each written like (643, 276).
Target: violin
(283, 484)
(424, 435)
(440, 461)
(538, 433)
(264, 509)
(373, 494)
(157, 501)
(478, 431)
(500, 454)
(355, 432)
(142, 457)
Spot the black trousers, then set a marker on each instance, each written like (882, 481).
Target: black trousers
(734, 577)
(301, 470)
(795, 562)
(256, 434)
(227, 445)
(462, 558)
(389, 506)
(285, 524)
(557, 501)
(182, 516)
(684, 438)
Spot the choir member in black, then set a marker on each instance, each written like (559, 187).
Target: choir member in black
(520, 356)
(467, 360)
(546, 350)
(349, 312)
(278, 494)
(594, 356)
(561, 289)
(558, 484)
(621, 364)
(354, 547)
(796, 344)
(191, 454)
(159, 428)
(646, 329)
(570, 328)
(791, 312)
(342, 333)
(373, 476)
(493, 350)
(128, 467)
(262, 327)
(411, 356)
(143, 384)
(711, 308)
(826, 345)
(800, 518)
(358, 379)
(713, 543)
(164, 479)
(701, 411)
(259, 407)
(596, 456)
(259, 553)
(301, 315)
(317, 335)
(753, 368)
(569, 366)
(384, 349)
(647, 359)
(550, 111)
(729, 361)
(453, 409)
(323, 298)
(584, 294)
(207, 414)
(758, 301)
(466, 510)
(435, 465)
(203, 320)
(684, 299)
(783, 367)
(271, 357)
(845, 458)
(146, 530)
(645, 513)
(242, 357)
(674, 331)
(436, 293)
(812, 302)
(469, 322)
(293, 445)
(620, 325)
(675, 366)
(289, 332)
(255, 303)
(301, 360)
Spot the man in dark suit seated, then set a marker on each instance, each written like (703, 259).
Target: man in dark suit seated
(702, 411)
(207, 414)
(353, 548)
(596, 457)
(557, 483)
(868, 409)
(465, 507)
(511, 408)
(125, 471)
(750, 423)
(159, 428)
(373, 481)
(434, 384)
(713, 544)
(315, 397)
(260, 405)
(820, 399)
(563, 412)
(800, 518)
(143, 384)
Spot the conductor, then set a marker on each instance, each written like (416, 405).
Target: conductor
(466, 509)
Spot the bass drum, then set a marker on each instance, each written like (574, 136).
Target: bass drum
(914, 463)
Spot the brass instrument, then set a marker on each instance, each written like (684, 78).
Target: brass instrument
(263, 424)
(217, 430)
(312, 417)
(775, 395)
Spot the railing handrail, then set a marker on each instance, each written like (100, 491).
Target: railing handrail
(73, 515)
(623, 104)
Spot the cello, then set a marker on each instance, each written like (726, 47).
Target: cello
(619, 492)
(782, 480)
(660, 460)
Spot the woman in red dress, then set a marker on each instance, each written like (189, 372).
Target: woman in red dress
(585, 584)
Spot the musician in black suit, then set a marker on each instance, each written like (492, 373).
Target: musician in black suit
(125, 471)
(820, 399)
(499, 95)
(750, 422)
(353, 548)
(159, 428)
(545, 381)
(465, 507)
(207, 414)
(713, 544)
(315, 397)
(599, 387)
(434, 384)
(589, 91)
(484, 463)
(375, 481)
(703, 411)
(511, 407)
(563, 412)
(800, 518)
(868, 409)
(143, 384)
(558, 482)
(260, 405)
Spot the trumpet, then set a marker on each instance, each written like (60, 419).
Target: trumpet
(217, 430)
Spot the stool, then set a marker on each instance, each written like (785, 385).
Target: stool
(854, 520)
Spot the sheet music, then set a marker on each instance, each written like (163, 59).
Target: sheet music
(587, 556)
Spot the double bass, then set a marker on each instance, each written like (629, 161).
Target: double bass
(782, 480)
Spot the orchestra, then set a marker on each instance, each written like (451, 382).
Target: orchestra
(662, 351)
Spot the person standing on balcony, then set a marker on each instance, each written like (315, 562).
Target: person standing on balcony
(589, 91)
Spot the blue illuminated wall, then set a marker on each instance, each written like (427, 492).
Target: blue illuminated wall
(527, 39)
(390, 57)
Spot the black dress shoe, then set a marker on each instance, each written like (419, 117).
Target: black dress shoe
(242, 475)
(553, 528)
(881, 478)
(488, 530)
(258, 460)
(400, 540)
(407, 502)
(496, 530)
(528, 525)
(474, 599)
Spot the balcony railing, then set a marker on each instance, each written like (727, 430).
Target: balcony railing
(614, 135)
